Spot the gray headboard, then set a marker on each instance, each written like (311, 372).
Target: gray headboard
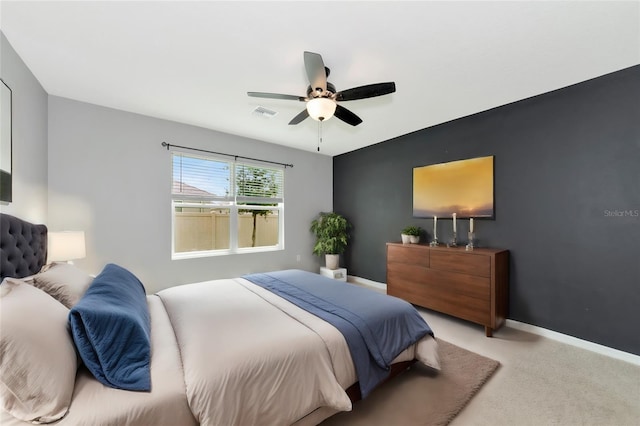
(23, 247)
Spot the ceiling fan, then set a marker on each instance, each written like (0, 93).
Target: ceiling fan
(322, 98)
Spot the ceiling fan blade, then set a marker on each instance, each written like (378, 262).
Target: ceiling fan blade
(276, 96)
(368, 91)
(347, 116)
(298, 118)
(315, 71)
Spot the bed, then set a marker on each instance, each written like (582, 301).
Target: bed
(271, 348)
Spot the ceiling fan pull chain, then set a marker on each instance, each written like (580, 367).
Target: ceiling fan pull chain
(319, 134)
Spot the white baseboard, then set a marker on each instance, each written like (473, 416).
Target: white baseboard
(574, 341)
(364, 281)
(554, 335)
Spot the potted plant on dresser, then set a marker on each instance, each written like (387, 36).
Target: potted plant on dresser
(411, 234)
(331, 231)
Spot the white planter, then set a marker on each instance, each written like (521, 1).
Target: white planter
(414, 239)
(332, 261)
(406, 239)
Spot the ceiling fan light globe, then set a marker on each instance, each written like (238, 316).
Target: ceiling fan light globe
(321, 109)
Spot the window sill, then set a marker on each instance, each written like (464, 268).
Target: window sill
(214, 253)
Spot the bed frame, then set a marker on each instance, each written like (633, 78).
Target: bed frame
(353, 391)
(23, 247)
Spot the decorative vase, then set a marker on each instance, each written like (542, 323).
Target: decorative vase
(414, 239)
(332, 261)
(406, 239)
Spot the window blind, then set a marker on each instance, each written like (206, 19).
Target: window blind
(199, 177)
(258, 184)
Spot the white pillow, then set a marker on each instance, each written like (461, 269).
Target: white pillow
(62, 281)
(38, 360)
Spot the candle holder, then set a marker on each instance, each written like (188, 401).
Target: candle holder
(434, 242)
(472, 237)
(454, 240)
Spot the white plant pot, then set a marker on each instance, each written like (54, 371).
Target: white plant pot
(332, 261)
(406, 239)
(414, 239)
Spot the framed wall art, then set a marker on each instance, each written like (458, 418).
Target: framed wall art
(464, 187)
(6, 160)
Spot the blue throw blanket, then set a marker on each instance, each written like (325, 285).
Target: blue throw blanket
(111, 329)
(376, 327)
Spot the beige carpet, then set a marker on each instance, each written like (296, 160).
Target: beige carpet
(422, 396)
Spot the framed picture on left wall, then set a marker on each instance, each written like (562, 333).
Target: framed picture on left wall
(6, 161)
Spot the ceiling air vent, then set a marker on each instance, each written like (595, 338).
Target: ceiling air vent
(263, 112)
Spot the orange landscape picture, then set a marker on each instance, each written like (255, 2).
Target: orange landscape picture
(464, 187)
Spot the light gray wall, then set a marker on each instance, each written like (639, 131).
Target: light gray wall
(29, 121)
(110, 176)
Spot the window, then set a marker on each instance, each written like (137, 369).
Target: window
(223, 207)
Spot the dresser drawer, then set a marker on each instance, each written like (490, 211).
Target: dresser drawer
(439, 291)
(459, 284)
(465, 263)
(398, 273)
(413, 255)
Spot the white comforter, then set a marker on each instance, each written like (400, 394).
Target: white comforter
(246, 362)
(259, 368)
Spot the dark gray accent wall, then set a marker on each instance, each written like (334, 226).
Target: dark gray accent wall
(567, 194)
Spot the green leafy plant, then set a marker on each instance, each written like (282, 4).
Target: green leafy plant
(412, 230)
(331, 233)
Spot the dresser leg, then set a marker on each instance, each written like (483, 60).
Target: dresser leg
(488, 331)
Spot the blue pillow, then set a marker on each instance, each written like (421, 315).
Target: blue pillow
(111, 329)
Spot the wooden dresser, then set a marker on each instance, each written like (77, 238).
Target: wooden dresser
(472, 285)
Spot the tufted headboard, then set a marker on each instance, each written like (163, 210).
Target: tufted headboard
(23, 247)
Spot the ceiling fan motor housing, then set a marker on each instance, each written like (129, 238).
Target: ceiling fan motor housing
(319, 93)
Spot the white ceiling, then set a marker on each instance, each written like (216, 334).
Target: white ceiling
(193, 62)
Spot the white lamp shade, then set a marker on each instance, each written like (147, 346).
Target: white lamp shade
(321, 109)
(67, 245)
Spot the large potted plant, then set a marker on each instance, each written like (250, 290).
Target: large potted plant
(331, 234)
